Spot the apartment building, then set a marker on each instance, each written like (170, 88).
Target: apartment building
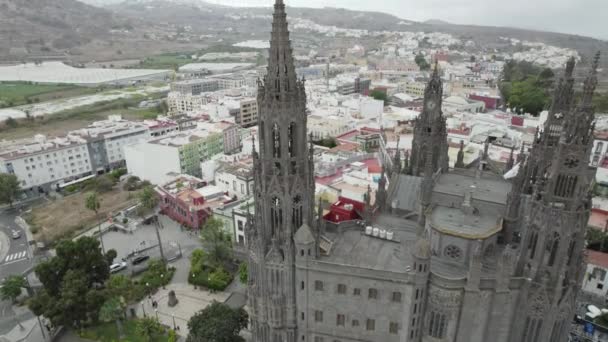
(248, 115)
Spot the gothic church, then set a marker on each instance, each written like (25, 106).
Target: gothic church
(450, 255)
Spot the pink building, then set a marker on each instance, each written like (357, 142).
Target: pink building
(189, 201)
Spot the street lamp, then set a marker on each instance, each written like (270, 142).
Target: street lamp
(193, 278)
(174, 326)
(143, 310)
(156, 312)
(162, 276)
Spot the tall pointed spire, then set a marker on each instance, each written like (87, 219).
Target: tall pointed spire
(460, 158)
(281, 77)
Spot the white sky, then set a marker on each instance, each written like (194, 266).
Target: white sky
(584, 17)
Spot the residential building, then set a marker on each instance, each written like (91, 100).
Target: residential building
(596, 274)
(248, 115)
(354, 86)
(235, 178)
(107, 139)
(48, 163)
(189, 201)
(415, 89)
(179, 103)
(195, 86)
(443, 255)
(326, 127)
(180, 153)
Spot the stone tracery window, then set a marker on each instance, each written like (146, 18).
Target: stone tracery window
(437, 325)
(453, 252)
(276, 140)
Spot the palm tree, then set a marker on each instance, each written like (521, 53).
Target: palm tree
(113, 309)
(92, 203)
(148, 202)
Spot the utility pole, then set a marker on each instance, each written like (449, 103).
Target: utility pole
(160, 244)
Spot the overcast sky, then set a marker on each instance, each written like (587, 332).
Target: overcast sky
(584, 17)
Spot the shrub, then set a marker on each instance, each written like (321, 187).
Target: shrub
(125, 220)
(243, 275)
(116, 174)
(219, 279)
(157, 274)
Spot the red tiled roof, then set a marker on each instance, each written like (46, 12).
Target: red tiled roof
(597, 258)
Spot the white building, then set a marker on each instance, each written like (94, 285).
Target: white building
(182, 103)
(596, 275)
(47, 164)
(235, 178)
(106, 141)
(325, 127)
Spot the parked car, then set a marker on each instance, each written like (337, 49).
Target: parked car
(16, 234)
(118, 267)
(140, 259)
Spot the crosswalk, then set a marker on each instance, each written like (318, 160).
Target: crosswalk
(16, 256)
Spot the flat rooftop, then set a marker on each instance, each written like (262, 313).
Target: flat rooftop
(456, 222)
(353, 248)
(489, 187)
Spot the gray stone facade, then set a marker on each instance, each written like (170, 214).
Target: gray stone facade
(472, 258)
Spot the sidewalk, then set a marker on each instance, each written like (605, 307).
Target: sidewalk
(190, 302)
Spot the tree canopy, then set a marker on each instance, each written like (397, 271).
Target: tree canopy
(526, 86)
(421, 62)
(148, 200)
(217, 241)
(217, 322)
(9, 188)
(12, 286)
(71, 281)
(379, 95)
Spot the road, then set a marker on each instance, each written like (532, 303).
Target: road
(17, 256)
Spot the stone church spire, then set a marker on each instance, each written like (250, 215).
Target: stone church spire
(430, 131)
(283, 190)
(553, 224)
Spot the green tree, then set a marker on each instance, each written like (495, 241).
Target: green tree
(421, 62)
(113, 309)
(71, 283)
(110, 256)
(379, 95)
(147, 328)
(217, 241)
(217, 322)
(12, 286)
(528, 97)
(93, 204)
(600, 102)
(243, 273)
(148, 201)
(9, 188)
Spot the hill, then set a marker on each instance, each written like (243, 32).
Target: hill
(53, 27)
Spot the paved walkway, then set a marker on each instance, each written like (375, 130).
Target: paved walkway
(190, 302)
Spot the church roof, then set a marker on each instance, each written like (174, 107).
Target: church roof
(304, 235)
(353, 248)
(405, 194)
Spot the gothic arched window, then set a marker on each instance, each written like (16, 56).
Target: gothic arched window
(532, 244)
(437, 325)
(291, 136)
(276, 140)
(571, 249)
(296, 214)
(276, 216)
(552, 247)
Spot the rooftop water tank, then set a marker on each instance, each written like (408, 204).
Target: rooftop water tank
(368, 230)
(383, 234)
(389, 235)
(376, 232)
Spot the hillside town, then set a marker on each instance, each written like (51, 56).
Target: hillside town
(428, 150)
